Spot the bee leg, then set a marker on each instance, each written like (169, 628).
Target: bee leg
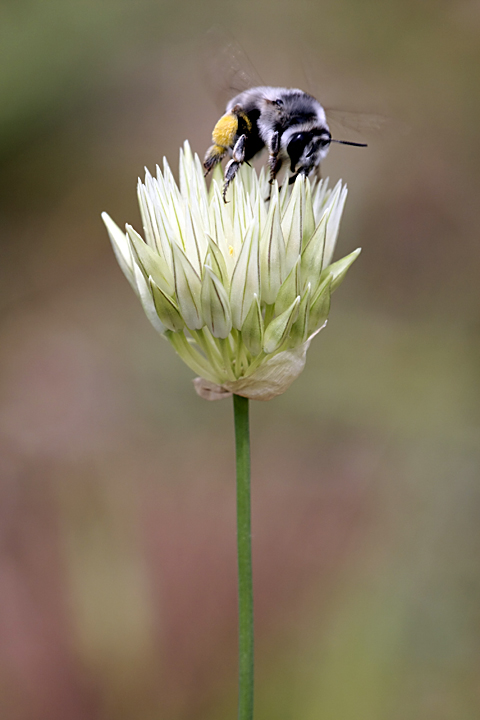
(274, 169)
(273, 162)
(223, 136)
(232, 167)
(238, 153)
(214, 155)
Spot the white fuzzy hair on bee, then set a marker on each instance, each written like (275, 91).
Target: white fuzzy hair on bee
(289, 122)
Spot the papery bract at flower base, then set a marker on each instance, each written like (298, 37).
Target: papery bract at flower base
(238, 289)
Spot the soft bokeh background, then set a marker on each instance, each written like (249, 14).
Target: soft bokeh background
(117, 518)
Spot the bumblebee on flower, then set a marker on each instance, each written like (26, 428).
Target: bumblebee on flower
(238, 289)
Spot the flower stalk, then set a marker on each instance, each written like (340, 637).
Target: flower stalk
(244, 555)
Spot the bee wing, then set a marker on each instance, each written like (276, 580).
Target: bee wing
(229, 71)
(363, 124)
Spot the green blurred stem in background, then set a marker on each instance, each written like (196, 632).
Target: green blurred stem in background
(244, 552)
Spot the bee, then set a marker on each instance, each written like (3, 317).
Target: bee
(289, 123)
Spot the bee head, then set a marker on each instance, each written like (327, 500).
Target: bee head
(307, 148)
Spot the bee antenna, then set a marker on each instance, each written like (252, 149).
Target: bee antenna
(347, 142)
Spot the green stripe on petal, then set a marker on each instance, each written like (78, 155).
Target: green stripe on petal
(215, 305)
(339, 195)
(320, 305)
(146, 298)
(252, 328)
(299, 331)
(312, 255)
(149, 262)
(277, 331)
(289, 290)
(308, 215)
(166, 308)
(192, 357)
(245, 279)
(217, 262)
(187, 289)
(292, 225)
(338, 269)
(272, 253)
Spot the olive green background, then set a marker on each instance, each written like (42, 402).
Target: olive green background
(117, 517)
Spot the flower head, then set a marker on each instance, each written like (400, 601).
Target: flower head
(239, 288)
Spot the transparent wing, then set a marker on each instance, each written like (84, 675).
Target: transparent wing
(363, 124)
(229, 70)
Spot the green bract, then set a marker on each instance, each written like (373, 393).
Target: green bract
(239, 289)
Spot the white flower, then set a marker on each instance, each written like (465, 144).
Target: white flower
(239, 289)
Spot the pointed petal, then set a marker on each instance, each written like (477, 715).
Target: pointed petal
(121, 249)
(289, 290)
(242, 213)
(252, 328)
(166, 308)
(187, 289)
(215, 305)
(308, 216)
(312, 255)
(284, 195)
(245, 279)
(338, 269)
(184, 169)
(337, 202)
(277, 331)
(150, 262)
(320, 196)
(292, 225)
(320, 305)
(299, 330)
(154, 220)
(190, 240)
(170, 180)
(143, 202)
(217, 262)
(222, 230)
(217, 178)
(146, 298)
(272, 253)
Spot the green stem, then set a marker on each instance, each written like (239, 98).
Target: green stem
(244, 551)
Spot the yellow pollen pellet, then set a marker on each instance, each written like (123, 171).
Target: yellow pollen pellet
(224, 131)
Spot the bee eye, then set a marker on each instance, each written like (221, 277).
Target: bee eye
(299, 139)
(296, 147)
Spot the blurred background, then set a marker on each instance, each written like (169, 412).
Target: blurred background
(117, 516)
